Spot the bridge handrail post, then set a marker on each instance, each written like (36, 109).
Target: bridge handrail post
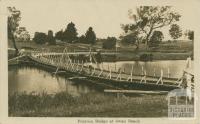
(109, 69)
(132, 73)
(168, 72)
(110, 73)
(161, 77)
(154, 72)
(142, 70)
(144, 77)
(119, 75)
(101, 71)
(77, 67)
(82, 64)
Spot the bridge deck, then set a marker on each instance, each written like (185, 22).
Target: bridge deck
(105, 74)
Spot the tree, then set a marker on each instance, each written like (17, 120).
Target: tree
(156, 39)
(59, 35)
(70, 34)
(131, 38)
(149, 18)
(90, 36)
(40, 37)
(191, 35)
(81, 39)
(110, 43)
(50, 39)
(12, 25)
(22, 34)
(175, 31)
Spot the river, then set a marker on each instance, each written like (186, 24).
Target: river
(32, 79)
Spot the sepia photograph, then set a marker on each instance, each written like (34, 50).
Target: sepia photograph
(108, 59)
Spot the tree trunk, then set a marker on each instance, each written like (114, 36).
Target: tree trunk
(137, 45)
(147, 38)
(14, 44)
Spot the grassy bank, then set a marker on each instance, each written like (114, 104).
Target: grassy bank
(165, 51)
(88, 105)
(128, 56)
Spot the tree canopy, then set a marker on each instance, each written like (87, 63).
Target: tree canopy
(50, 39)
(40, 37)
(110, 43)
(81, 39)
(130, 39)
(156, 39)
(70, 33)
(22, 34)
(13, 24)
(149, 18)
(59, 35)
(191, 35)
(175, 31)
(90, 36)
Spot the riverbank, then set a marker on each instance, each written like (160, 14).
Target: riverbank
(166, 51)
(131, 56)
(65, 105)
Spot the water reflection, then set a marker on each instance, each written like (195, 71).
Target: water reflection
(28, 79)
(174, 67)
(31, 79)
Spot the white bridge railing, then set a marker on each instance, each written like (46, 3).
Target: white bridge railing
(63, 61)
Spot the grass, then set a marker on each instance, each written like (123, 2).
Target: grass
(178, 46)
(87, 105)
(178, 50)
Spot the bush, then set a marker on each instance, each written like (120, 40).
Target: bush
(110, 43)
(156, 39)
(40, 38)
(146, 57)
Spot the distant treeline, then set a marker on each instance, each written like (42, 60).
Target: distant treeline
(69, 35)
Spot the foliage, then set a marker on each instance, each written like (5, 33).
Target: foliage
(70, 33)
(156, 39)
(13, 24)
(146, 57)
(98, 57)
(191, 35)
(81, 39)
(149, 18)
(175, 31)
(130, 39)
(40, 37)
(22, 34)
(59, 35)
(50, 39)
(110, 43)
(90, 36)
(65, 105)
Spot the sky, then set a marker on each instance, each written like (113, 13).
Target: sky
(105, 16)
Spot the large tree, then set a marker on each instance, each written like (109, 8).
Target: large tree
(191, 35)
(130, 39)
(50, 39)
(149, 18)
(40, 38)
(175, 31)
(12, 25)
(70, 34)
(59, 35)
(22, 34)
(81, 39)
(156, 39)
(110, 43)
(90, 36)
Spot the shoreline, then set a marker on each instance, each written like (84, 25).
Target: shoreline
(136, 57)
(156, 56)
